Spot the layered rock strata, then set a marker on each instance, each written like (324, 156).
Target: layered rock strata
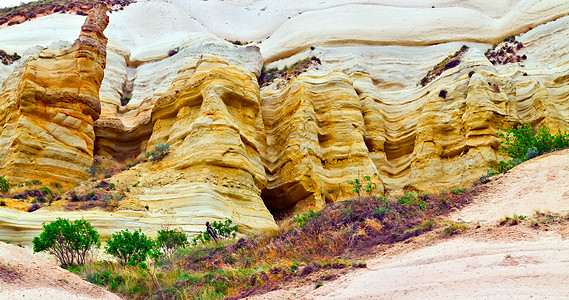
(292, 145)
(48, 107)
(316, 142)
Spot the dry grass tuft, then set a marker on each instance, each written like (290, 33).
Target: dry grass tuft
(323, 242)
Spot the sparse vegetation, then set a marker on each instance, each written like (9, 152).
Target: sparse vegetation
(515, 220)
(319, 242)
(449, 62)
(95, 169)
(454, 228)
(8, 59)
(505, 52)
(95, 194)
(28, 11)
(70, 242)
(158, 152)
(305, 218)
(4, 185)
(9, 273)
(287, 73)
(522, 143)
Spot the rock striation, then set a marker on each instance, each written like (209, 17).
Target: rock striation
(242, 151)
(48, 107)
(316, 142)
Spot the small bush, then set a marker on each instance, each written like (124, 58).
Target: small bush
(454, 228)
(522, 143)
(2, 203)
(34, 207)
(223, 230)
(4, 185)
(130, 247)
(158, 152)
(95, 169)
(457, 191)
(125, 100)
(305, 218)
(357, 185)
(174, 51)
(170, 240)
(70, 242)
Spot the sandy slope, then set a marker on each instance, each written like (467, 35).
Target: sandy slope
(26, 276)
(487, 263)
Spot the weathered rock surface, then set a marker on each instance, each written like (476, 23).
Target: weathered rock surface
(295, 145)
(48, 107)
(316, 141)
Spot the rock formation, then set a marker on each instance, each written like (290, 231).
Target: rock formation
(238, 150)
(48, 107)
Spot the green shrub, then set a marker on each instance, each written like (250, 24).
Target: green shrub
(305, 218)
(130, 247)
(357, 185)
(4, 185)
(2, 203)
(95, 169)
(457, 191)
(45, 190)
(370, 186)
(223, 230)
(522, 143)
(70, 242)
(158, 152)
(169, 240)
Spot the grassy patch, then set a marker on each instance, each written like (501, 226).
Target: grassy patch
(326, 241)
(18, 14)
(449, 62)
(287, 73)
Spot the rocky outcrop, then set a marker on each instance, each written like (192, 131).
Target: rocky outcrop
(237, 150)
(211, 118)
(48, 107)
(316, 142)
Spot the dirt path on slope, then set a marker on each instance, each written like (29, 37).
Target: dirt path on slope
(539, 184)
(489, 262)
(26, 276)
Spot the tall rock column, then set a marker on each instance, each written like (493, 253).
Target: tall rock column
(48, 106)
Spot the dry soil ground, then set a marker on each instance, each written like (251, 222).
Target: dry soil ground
(27, 276)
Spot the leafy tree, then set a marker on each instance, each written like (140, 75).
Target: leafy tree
(70, 242)
(169, 240)
(130, 247)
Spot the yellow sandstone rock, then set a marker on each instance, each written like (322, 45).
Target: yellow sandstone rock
(315, 142)
(48, 106)
(238, 150)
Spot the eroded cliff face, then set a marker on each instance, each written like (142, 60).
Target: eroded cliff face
(48, 106)
(237, 150)
(316, 142)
